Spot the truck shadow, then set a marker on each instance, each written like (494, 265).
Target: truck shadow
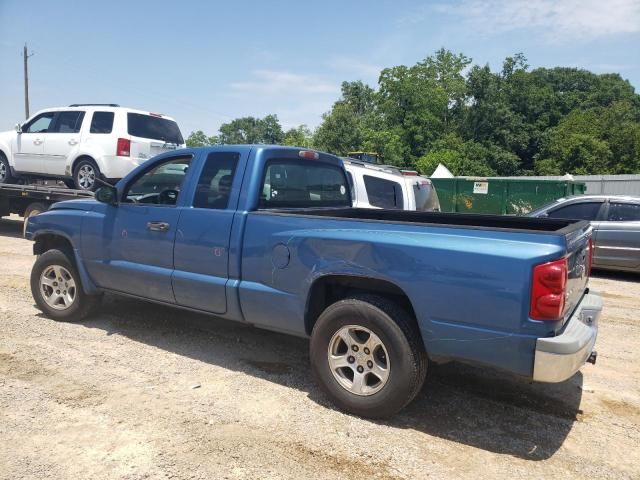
(11, 227)
(487, 410)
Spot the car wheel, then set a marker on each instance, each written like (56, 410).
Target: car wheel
(367, 354)
(57, 289)
(5, 170)
(33, 209)
(69, 183)
(84, 175)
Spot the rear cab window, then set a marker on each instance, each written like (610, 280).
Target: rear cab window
(303, 184)
(154, 128)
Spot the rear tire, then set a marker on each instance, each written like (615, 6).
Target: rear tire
(84, 175)
(373, 384)
(57, 289)
(5, 170)
(33, 209)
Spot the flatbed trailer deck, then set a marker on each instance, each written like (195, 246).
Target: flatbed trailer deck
(28, 200)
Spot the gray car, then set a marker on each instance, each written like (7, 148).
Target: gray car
(616, 227)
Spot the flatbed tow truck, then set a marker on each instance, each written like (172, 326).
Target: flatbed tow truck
(29, 200)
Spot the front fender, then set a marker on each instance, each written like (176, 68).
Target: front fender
(46, 235)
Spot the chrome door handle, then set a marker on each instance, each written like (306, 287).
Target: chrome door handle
(158, 226)
(73, 142)
(37, 141)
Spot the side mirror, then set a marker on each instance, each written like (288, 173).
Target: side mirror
(18, 128)
(107, 195)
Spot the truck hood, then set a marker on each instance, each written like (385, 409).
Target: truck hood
(79, 204)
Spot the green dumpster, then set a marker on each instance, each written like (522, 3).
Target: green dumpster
(501, 196)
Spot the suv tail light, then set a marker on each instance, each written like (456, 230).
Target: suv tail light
(549, 285)
(124, 148)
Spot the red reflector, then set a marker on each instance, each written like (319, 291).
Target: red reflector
(409, 173)
(308, 154)
(548, 288)
(123, 148)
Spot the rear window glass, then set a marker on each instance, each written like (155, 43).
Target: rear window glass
(624, 212)
(578, 211)
(155, 128)
(383, 193)
(102, 122)
(426, 197)
(293, 184)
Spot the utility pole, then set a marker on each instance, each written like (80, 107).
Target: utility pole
(25, 57)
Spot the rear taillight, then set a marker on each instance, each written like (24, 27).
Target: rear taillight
(124, 148)
(590, 264)
(549, 285)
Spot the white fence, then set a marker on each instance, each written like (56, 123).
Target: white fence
(605, 184)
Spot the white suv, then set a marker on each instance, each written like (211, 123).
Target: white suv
(389, 187)
(83, 141)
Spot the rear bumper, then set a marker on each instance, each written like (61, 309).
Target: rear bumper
(558, 358)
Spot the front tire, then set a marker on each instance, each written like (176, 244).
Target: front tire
(84, 175)
(367, 354)
(57, 289)
(5, 170)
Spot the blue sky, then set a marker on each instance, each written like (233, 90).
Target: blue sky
(206, 63)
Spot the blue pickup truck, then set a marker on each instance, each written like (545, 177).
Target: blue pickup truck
(266, 235)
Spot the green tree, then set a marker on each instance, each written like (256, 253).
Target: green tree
(252, 130)
(299, 137)
(200, 139)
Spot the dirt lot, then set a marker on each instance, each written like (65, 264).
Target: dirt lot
(142, 391)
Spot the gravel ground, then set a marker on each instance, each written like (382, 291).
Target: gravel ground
(142, 391)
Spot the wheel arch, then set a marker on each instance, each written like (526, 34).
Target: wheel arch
(79, 158)
(328, 289)
(48, 240)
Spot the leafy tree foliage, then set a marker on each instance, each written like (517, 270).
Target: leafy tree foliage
(252, 130)
(200, 139)
(443, 109)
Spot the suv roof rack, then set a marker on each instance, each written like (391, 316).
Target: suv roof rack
(94, 105)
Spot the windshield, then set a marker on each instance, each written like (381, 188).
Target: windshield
(156, 128)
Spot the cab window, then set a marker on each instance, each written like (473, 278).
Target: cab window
(159, 186)
(578, 211)
(39, 124)
(624, 212)
(214, 185)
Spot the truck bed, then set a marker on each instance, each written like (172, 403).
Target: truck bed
(514, 223)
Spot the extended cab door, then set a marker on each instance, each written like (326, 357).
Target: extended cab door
(201, 254)
(28, 146)
(62, 140)
(618, 236)
(139, 233)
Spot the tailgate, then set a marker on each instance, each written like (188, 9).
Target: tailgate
(578, 263)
